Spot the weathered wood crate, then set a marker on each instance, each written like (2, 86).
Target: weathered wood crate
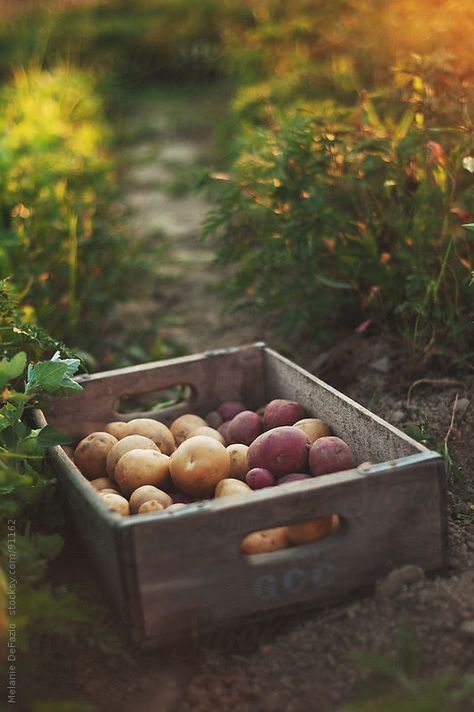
(183, 571)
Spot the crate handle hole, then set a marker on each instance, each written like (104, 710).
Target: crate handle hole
(155, 401)
(267, 541)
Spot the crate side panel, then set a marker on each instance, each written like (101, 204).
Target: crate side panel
(214, 377)
(370, 437)
(198, 579)
(100, 537)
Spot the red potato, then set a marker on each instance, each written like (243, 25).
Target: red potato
(145, 493)
(137, 468)
(238, 460)
(314, 428)
(258, 478)
(210, 432)
(265, 541)
(156, 431)
(330, 454)
(294, 477)
(223, 429)
(184, 425)
(214, 419)
(282, 412)
(90, 456)
(245, 427)
(312, 531)
(282, 450)
(198, 464)
(130, 442)
(229, 409)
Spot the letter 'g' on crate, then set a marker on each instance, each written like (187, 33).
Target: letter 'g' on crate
(169, 574)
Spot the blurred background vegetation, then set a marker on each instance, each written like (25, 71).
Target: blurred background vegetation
(342, 184)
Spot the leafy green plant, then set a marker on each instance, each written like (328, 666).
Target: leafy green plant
(60, 238)
(334, 215)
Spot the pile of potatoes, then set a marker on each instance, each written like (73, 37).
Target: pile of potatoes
(142, 466)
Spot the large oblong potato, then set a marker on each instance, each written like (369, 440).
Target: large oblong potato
(265, 541)
(130, 442)
(198, 464)
(312, 531)
(156, 431)
(142, 467)
(91, 454)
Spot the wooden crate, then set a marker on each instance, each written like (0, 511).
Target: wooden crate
(171, 573)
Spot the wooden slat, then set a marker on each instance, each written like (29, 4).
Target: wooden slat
(191, 573)
(370, 437)
(214, 376)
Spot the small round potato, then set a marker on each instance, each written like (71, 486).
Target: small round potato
(265, 541)
(130, 442)
(210, 432)
(115, 502)
(175, 506)
(156, 431)
(102, 482)
(117, 428)
(198, 465)
(184, 425)
(145, 494)
(314, 428)
(109, 490)
(239, 465)
(142, 467)
(231, 487)
(312, 531)
(91, 454)
(150, 507)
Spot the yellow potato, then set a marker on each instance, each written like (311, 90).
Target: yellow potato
(101, 483)
(313, 428)
(184, 425)
(175, 506)
(210, 432)
(115, 502)
(110, 490)
(150, 507)
(239, 465)
(91, 454)
(312, 531)
(231, 487)
(118, 428)
(130, 442)
(156, 431)
(145, 493)
(141, 467)
(265, 541)
(198, 465)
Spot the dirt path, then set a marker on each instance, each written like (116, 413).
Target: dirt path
(310, 662)
(160, 177)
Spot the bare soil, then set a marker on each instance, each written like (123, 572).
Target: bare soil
(311, 660)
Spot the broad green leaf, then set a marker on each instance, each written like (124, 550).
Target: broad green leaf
(469, 226)
(12, 368)
(46, 376)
